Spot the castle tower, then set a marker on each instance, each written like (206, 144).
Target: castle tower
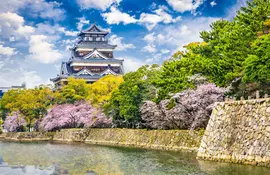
(91, 58)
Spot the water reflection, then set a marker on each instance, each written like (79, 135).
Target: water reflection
(55, 159)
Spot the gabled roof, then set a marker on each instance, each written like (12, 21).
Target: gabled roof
(107, 71)
(84, 71)
(96, 60)
(94, 29)
(95, 54)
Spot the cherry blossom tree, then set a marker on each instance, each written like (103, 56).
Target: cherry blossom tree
(80, 114)
(189, 109)
(14, 123)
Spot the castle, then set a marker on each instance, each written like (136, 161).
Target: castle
(91, 58)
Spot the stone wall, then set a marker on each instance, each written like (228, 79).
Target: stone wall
(27, 136)
(155, 139)
(238, 132)
(71, 135)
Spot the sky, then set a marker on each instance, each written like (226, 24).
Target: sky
(35, 35)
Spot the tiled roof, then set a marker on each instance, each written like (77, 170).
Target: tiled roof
(94, 77)
(95, 60)
(66, 70)
(94, 29)
(97, 45)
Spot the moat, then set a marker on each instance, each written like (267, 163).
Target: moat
(46, 158)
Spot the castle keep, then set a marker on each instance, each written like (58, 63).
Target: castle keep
(91, 58)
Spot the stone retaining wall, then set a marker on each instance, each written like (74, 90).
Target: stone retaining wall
(238, 132)
(27, 136)
(155, 139)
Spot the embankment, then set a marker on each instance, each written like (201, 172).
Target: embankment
(238, 132)
(155, 139)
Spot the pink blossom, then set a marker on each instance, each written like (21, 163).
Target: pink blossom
(191, 110)
(80, 114)
(14, 122)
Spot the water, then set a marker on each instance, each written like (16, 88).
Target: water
(45, 158)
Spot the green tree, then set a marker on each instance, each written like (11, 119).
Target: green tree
(223, 55)
(257, 65)
(9, 101)
(31, 103)
(75, 90)
(101, 90)
(127, 99)
(175, 73)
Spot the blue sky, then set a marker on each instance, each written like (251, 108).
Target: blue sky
(36, 34)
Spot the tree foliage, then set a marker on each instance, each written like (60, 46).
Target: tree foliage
(137, 87)
(225, 55)
(74, 90)
(257, 65)
(101, 90)
(32, 104)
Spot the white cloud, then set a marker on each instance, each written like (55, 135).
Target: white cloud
(11, 39)
(165, 51)
(41, 8)
(116, 17)
(149, 60)
(182, 34)
(165, 41)
(12, 25)
(9, 71)
(160, 15)
(45, 28)
(68, 43)
(185, 5)
(131, 64)
(115, 40)
(25, 30)
(7, 51)
(97, 4)
(42, 51)
(150, 20)
(82, 22)
(213, 3)
(149, 48)
(31, 78)
(232, 11)
(157, 56)
(48, 10)
(53, 32)
(67, 32)
(150, 38)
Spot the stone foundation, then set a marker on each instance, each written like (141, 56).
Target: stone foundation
(154, 139)
(238, 132)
